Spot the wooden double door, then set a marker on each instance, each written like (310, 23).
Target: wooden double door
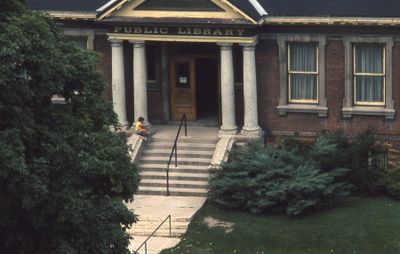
(183, 88)
(194, 87)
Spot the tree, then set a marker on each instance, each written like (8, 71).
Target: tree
(63, 173)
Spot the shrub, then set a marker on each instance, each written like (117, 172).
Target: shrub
(365, 161)
(391, 182)
(268, 179)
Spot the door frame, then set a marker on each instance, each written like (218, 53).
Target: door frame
(172, 77)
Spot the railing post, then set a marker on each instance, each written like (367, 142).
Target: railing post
(170, 227)
(145, 248)
(185, 126)
(167, 182)
(176, 155)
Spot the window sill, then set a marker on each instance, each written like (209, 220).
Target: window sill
(298, 108)
(372, 111)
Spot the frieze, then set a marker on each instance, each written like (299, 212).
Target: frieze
(183, 31)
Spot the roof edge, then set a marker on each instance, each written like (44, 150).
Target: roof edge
(105, 6)
(82, 15)
(375, 21)
(258, 8)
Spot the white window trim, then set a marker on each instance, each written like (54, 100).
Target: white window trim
(88, 33)
(349, 107)
(285, 106)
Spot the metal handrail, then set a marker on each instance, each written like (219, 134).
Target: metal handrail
(150, 236)
(175, 149)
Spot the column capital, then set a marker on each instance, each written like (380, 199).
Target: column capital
(225, 45)
(249, 46)
(137, 44)
(115, 42)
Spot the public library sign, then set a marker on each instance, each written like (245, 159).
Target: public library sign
(183, 31)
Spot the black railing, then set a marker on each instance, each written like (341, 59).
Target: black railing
(175, 149)
(152, 234)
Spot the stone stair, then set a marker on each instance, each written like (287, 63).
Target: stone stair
(190, 178)
(147, 225)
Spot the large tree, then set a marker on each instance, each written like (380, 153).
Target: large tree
(63, 173)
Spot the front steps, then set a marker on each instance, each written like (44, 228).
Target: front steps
(190, 178)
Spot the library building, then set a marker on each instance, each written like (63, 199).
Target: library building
(247, 67)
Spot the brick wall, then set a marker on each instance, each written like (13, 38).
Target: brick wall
(268, 95)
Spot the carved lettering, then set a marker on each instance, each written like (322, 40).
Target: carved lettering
(240, 32)
(229, 32)
(197, 31)
(181, 31)
(218, 32)
(206, 31)
(163, 30)
(148, 30)
(137, 30)
(117, 29)
(128, 30)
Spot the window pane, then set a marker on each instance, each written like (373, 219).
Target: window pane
(369, 58)
(369, 89)
(182, 75)
(303, 57)
(303, 87)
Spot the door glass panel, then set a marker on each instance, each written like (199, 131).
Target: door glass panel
(182, 75)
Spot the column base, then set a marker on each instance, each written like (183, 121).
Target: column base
(253, 132)
(227, 131)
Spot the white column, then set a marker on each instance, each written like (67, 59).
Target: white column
(250, 91)
(227, 90)
(118, 80)
(139, 79)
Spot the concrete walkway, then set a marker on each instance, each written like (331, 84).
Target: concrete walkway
(150, 207)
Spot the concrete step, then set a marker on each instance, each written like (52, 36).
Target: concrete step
(174, 183)
(154, 224)
(175, 176)
(182, 146)
(184, 153)
(145, 190)
(162, 233)
(183, 139)
(181, 160)
(148, 167)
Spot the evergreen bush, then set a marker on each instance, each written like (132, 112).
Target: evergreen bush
(270, 179)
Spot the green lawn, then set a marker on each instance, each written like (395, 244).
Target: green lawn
(357, 225)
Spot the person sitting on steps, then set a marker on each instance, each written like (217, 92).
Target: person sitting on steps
(140, 129)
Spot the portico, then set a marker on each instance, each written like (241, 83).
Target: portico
(191, 80)
(227, 116)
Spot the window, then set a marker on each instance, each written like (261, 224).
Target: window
(368, 83)
(80, 41)
(303, 72)
(369, 74)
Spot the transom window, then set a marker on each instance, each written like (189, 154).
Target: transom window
(369, 74)
(303, 72)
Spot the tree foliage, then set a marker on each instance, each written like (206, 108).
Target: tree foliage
(63, 173)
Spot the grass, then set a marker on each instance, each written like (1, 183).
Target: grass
(356, 226)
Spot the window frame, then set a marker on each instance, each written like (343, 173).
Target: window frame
(285, 106)
(355, 75)
(88, 33)
(350, 105)
(290, 72)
